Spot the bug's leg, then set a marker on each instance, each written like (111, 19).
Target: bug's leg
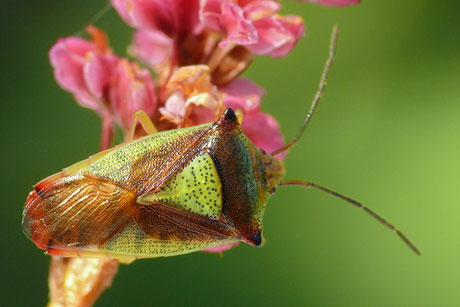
(308, 184)
(141, 117)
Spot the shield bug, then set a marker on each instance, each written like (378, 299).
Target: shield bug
(165, 194)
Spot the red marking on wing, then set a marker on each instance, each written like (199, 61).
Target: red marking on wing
(47, 183)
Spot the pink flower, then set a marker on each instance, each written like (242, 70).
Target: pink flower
(172, 17)
(167, 33)
(221, 248)
(333, 2)
(132, 89)
(264, 131)
(85, 68)
(151, 47)
(191, 97)
(99, 80)
(277, 35)
(242, 94)
(261, 128)
(237, 29)
(254, 24)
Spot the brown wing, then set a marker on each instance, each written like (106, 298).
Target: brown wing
(158, 230)
(145, 164)
(76, 212)
(164, 222)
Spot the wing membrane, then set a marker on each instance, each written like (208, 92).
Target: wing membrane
(76, 212)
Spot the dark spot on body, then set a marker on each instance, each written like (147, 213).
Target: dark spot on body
(257, 238)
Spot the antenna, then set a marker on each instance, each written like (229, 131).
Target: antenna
(357, 204)
(319, 93)
(95, 18)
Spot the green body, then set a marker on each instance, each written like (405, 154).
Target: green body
(165, 194)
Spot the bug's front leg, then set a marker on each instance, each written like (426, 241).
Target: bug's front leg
(140, 117)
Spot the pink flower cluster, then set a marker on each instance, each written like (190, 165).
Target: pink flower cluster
(197, 49)
(113, 87)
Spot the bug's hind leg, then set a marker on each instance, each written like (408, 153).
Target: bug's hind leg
(140, 117)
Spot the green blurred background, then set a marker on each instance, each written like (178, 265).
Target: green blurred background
(386, 133)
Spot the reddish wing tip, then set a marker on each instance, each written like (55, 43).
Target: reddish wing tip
(46, 183)
(32, 227)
